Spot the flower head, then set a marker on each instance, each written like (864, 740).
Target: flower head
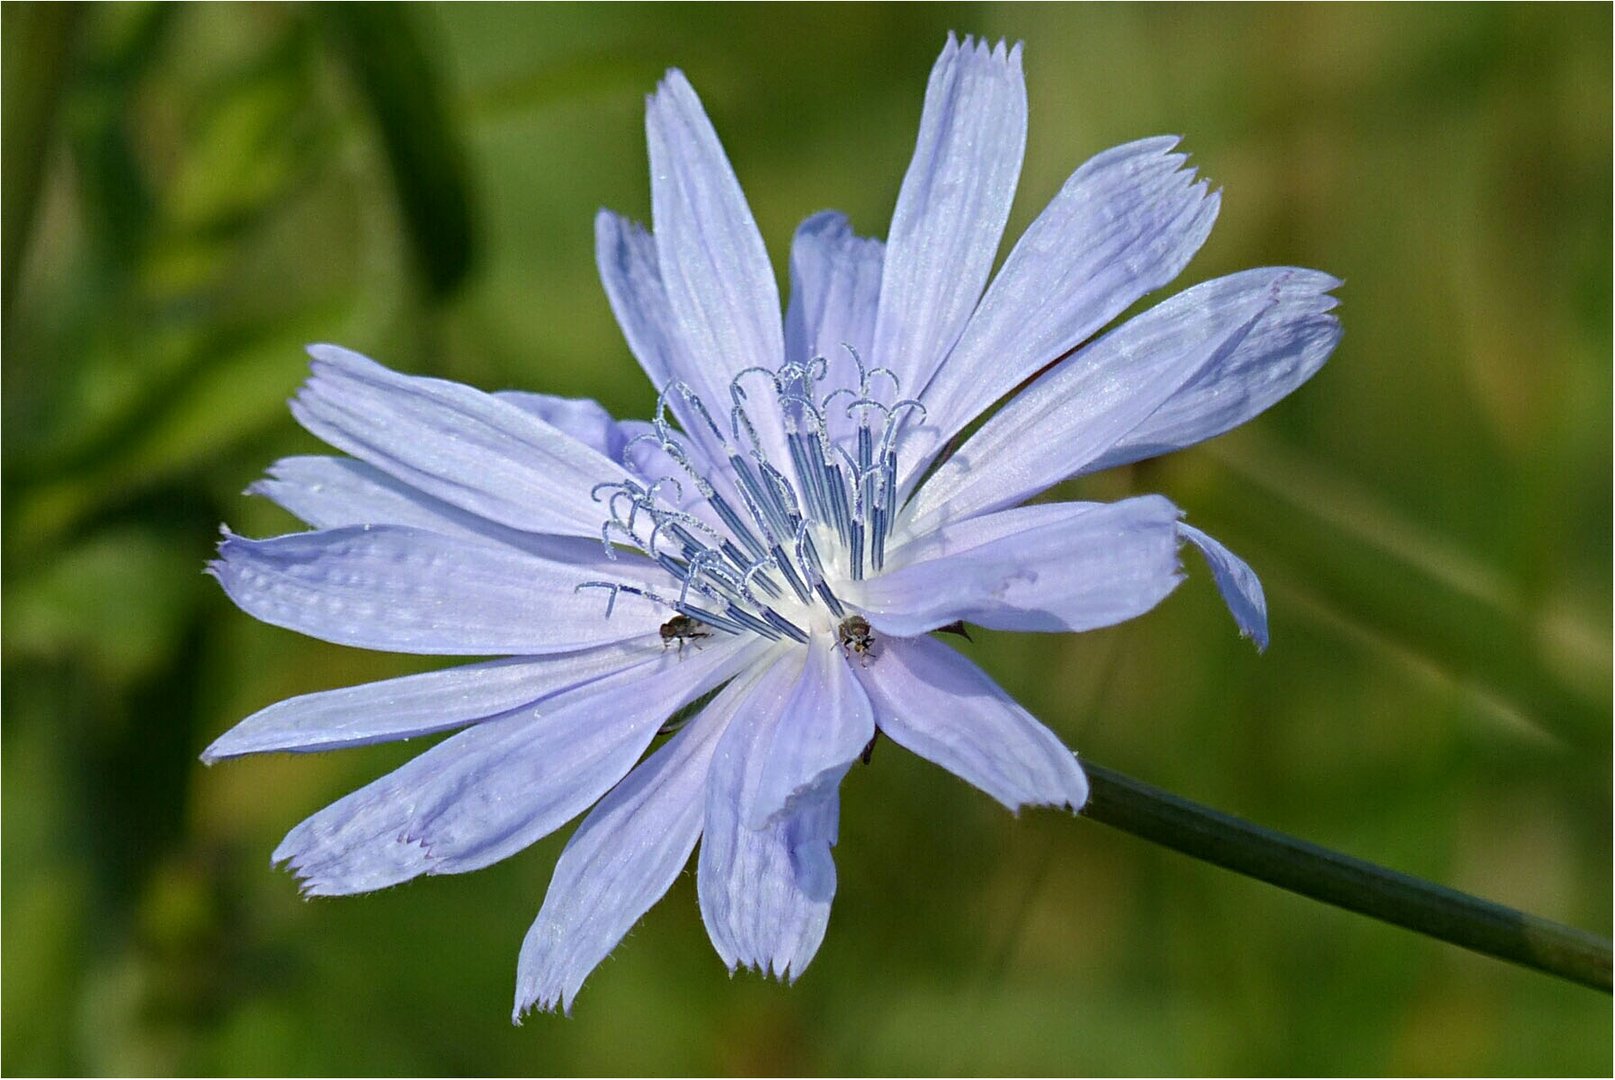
(783, 534)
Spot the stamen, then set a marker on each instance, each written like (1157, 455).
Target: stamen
(754, 570)
(838, 501)
(738, 392)
(693, 400)
(751, 493)
(616, 587)
(733, 571)
(655, 489)
(881, 518)
(671, 565)
(785, 626)
(863, 376)
(608, 485)
(790, 574)
(605, 538)
(753, 623)
(869, 380)
(677, 518)
(611, 600)
(675, 450)
(731, 520)
(812, 480)
(888, 435)
(807, 556)
(699, 565)
(739, 420)
(824, 406)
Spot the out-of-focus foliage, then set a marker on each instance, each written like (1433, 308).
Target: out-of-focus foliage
(191, 193)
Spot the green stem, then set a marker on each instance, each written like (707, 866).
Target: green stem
(1345, 882)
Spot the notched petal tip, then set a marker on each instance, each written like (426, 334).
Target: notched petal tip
(673, 85)
(546, 1001)
(1072, 799)
(610, 226)
(785, 970)
(982, 46)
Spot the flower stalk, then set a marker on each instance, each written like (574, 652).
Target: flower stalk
(1316, 872)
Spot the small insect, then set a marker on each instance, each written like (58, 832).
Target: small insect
(682, 628)
(856, 636)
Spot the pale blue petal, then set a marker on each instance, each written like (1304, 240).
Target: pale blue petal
(824, 725)
(628, 442)
(585, 419)
(333, 492)
(621, 860)
(1123, 225)
(1056, 566)
(765, 893)
(1285, 348)
(715, 271)
(1088, 403)
(835, 293)
(952, 206)
(944, 708)
(626, 255)
(455, 443)
(415, 705)
(1241, 589)
(835, 289)
(408, 590)
(491, 790)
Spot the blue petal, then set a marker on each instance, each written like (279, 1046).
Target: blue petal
(765, 893)
(489, 791)
(1089, 402)
(1288, 344)
(1123, 225)
(1050, 567)
(585, 419)
(952, 206)
(621, 860)
(715, 271)
(835, 289)
(407, 590)
(1241, 589)
(633, 443)
(455, 443)
(626, 255)
(416, 705)
(936, 703)
(824, 724)
(333, 492)
(632, 276)
(835, 292)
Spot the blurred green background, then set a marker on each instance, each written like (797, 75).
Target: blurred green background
(191, 193)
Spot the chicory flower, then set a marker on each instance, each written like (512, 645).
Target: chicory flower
(776, 544)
